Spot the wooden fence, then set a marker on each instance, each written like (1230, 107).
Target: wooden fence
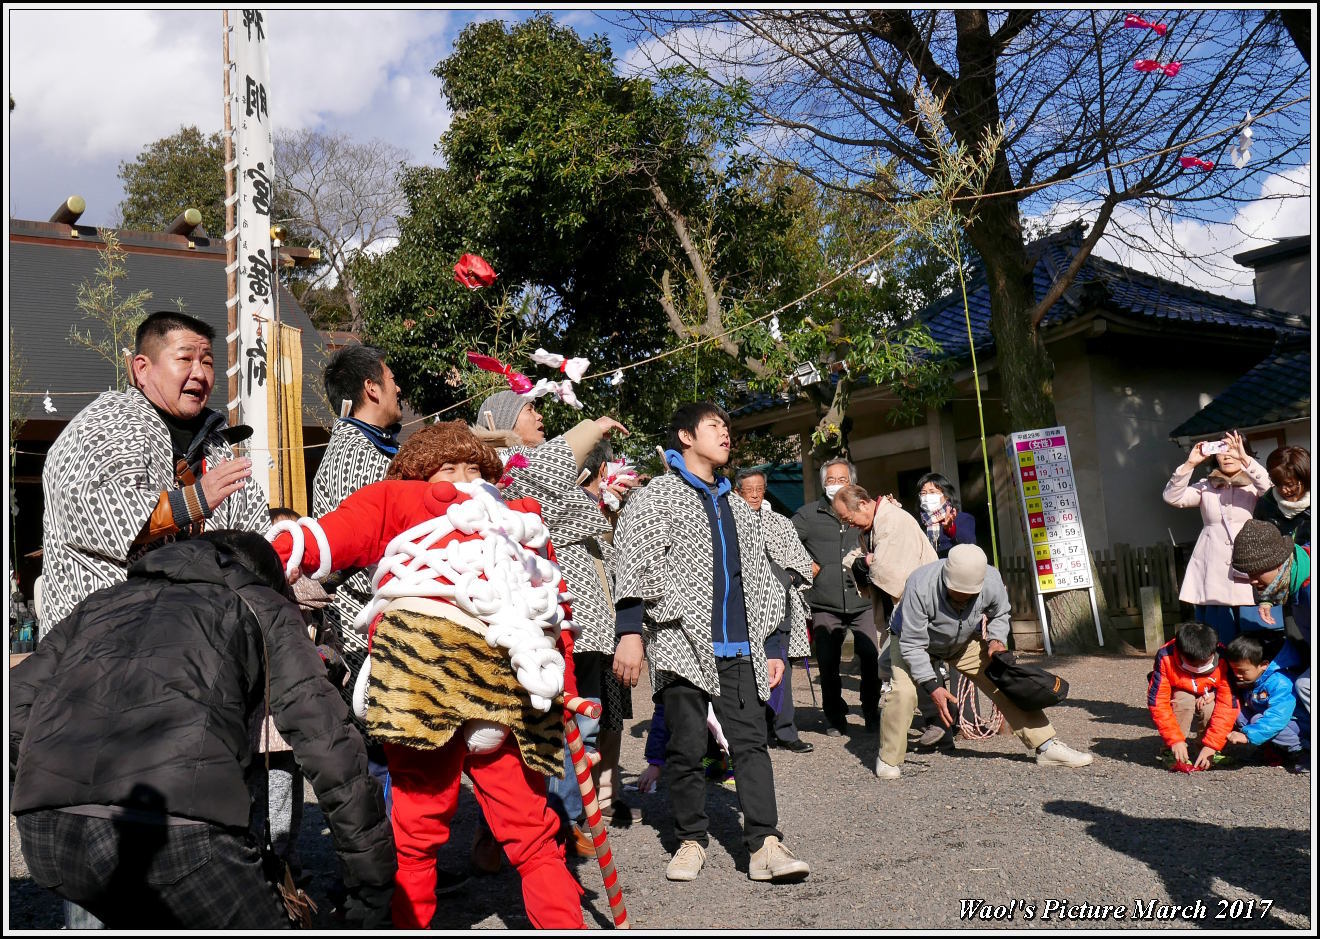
(1123, 571)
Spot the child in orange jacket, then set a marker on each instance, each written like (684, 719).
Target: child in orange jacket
(1190, 681)
(470, 648)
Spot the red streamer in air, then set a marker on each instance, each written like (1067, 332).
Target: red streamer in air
(472, 272)
(1132, 21)
(1150, 65)
(1189, 163)
(517, 380)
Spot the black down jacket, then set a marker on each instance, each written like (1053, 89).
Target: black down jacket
(827, 540)
(154, 683)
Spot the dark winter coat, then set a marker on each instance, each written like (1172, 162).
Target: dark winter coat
(1298, 527)
(152, 685)
(827, 540)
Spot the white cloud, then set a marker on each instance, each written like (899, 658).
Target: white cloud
(93, 87)
(89, 84)
(1197, 252)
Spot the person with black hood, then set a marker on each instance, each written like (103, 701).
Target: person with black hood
(130, 750)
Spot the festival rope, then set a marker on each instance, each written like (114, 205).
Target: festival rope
(1020, 190)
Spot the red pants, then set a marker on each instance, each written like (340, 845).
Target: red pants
(425, 786)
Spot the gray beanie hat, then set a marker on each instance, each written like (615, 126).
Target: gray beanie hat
(964, 571)
(504, 408)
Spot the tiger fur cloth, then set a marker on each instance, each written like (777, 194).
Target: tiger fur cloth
(430, 674)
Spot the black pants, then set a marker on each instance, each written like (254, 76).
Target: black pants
(830, 630)
(742, 716)
(139, 876)
(781, 725)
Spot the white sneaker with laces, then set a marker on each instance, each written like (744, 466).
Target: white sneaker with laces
(1060, 754)
(687, 862)
(884, 771)
(773, 861)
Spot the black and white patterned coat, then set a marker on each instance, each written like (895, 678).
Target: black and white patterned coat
(786, 550)
(663, 556)
(102, 480)
(577, 526)
(351, 461)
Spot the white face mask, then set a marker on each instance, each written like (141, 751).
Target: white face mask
(1205, 669)
(931, 501)
(832, 491)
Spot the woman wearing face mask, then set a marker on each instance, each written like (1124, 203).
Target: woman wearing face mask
(940, 514)
(1221, 596)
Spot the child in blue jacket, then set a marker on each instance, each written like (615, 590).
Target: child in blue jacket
(1268, 702)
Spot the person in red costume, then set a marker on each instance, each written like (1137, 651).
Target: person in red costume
(471, 644)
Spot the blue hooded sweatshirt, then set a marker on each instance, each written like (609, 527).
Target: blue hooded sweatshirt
(728, 623)
(1271, 697)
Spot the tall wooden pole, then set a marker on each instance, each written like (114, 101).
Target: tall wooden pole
(231, 246)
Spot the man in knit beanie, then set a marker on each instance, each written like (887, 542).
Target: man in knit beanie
(1280, 572)
(1260, 547)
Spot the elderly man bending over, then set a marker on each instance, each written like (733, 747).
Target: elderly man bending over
(945, 607)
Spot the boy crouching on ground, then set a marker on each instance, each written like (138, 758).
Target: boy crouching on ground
(1268, 703)
(1191, 684)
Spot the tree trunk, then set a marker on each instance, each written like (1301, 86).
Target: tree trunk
(1026, 381)
(1072, 628)
(834, 415)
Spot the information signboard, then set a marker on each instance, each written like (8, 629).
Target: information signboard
(1049, 503)
(1048, 493)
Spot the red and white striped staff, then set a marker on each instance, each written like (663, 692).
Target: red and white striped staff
(582, 763)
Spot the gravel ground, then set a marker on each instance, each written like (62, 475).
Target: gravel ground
(982, 823)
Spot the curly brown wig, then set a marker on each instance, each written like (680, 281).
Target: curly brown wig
(422, 454)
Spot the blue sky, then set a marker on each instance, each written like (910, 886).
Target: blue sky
(93, 87)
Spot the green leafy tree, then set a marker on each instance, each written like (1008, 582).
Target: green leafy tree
(113, 318)
(632, 217)
(183, 170)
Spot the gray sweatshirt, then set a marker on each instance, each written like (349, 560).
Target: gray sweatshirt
(931, 626)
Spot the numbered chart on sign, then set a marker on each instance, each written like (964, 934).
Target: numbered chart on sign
(1049, 503)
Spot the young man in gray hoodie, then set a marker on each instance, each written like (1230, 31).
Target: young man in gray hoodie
(957, 610)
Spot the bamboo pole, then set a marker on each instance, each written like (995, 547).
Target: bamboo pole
(231, 248)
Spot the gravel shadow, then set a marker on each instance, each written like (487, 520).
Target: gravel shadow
(1271, 862)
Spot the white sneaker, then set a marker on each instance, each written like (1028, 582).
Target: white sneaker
(884, 771)
(773, 861)
(1060, 754)
(687, 861)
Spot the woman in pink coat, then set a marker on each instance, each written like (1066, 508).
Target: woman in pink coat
(1222, 597)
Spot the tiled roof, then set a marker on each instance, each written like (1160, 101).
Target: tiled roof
(1117, 291)
(1275, 391)
(44, 275)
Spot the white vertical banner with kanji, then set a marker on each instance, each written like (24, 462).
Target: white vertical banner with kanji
(254, 149)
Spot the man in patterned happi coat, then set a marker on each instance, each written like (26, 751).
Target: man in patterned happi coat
(792, 566)
(140, 468)
(693, 587)
(362, 444)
